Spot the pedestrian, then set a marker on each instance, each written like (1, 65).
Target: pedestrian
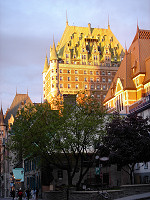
(20, 194)
(37, 193)
(13, 193)
(32, 193)
(28, 193)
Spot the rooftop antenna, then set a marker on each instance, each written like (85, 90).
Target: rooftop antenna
(66, 18)
(108, 22)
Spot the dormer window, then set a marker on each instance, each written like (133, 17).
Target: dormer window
(83, 49)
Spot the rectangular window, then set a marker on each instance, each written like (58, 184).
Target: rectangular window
(104, 87)
(61, 85)
(91, 79)
(137, 166)
(85, 79)
(109, 80)
(76, 71)
(60, 70)
(98, 86)
(69, 86)
(67, 55)
(68, 78)
(146, 165)
(92, 86)
(77, 86)
(85, 72)
(97, 79)
(91, 72)
(103, 79)
(61, 78)
(98, 96)
(97, 73)
(76, 78)
(103, 73)
(68, 71)
(85, 87)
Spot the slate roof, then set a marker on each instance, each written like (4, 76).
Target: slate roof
(19, 101)
(1, 118)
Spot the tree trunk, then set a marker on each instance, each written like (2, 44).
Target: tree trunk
(69, 178)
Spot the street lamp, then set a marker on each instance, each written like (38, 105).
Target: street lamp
(103, 159)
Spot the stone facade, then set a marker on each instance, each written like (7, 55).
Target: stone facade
(85, 59)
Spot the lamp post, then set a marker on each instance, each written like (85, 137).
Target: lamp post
(102, 159)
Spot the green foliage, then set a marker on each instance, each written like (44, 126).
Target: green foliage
(63, 138)
(128, 140)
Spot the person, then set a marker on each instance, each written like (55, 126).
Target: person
(32, 193)
(20, 194)
(13, 193)
(28, 193)
(36, 193)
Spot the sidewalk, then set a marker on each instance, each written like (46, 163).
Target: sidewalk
(137, 196)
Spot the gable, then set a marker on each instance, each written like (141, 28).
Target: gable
(119, 86)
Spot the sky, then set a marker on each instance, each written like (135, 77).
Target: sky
(27, 28)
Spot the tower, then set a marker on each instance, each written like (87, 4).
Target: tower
(54, 72)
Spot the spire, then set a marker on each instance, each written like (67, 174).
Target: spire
(66, 19)
(137, 26)
(125, 48)
(46, 64)
(1, 117)
(108, 23)
(53, 55)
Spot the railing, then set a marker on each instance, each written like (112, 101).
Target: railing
(142, 105)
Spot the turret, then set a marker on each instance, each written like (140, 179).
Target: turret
(54, 72)
(46, 66)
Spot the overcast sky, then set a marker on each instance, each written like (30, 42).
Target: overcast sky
(27, 28)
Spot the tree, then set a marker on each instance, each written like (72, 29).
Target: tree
(64, 138)
(128, 141)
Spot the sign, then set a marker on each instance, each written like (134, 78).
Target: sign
(97, 170)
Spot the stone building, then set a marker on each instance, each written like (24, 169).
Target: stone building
(131, 83)
(3, 154)
(7, 163)
(85, 59)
